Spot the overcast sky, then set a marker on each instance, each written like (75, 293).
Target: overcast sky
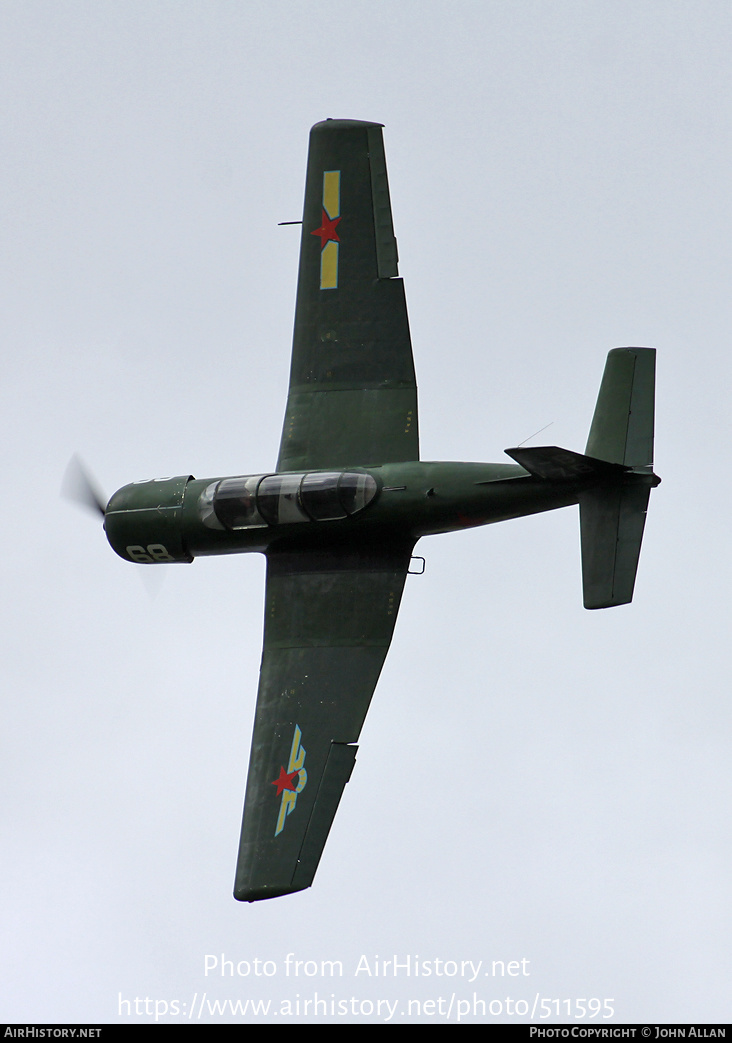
(535, 783)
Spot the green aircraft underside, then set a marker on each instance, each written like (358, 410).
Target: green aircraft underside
(339, 517)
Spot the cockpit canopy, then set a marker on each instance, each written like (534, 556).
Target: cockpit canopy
(255, 501)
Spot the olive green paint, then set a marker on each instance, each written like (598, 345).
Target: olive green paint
(334, 587)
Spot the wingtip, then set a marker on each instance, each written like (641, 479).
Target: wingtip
(260, 894)
(339, 124)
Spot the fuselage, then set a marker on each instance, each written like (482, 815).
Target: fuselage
(176, 519)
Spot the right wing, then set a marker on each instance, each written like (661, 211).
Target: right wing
(329, 619)
(353, 394)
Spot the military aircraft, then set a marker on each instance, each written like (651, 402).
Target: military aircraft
(340, 515)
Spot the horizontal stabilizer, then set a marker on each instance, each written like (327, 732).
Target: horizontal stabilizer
(611, 526)
(612, 515)
(622, 426)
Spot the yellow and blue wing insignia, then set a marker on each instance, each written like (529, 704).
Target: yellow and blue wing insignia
(292, 781)
(329, 239)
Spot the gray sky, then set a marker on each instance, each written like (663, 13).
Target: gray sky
(534, 782)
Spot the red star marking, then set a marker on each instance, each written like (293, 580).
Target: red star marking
(327, 230)
(286, 781)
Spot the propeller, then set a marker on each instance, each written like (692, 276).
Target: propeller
(80, 487)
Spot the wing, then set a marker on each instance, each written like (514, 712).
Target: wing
(353, 393)
(329, 618)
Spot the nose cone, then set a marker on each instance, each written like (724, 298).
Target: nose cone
(143, 521)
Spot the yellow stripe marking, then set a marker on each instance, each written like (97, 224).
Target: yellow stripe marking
(332, 193)
(329, 267)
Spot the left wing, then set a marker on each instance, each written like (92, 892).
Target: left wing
(329, 619)
(353, 394)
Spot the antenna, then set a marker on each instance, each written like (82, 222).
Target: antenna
(535, 434)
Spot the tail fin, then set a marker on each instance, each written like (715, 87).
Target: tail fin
(612, 515)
